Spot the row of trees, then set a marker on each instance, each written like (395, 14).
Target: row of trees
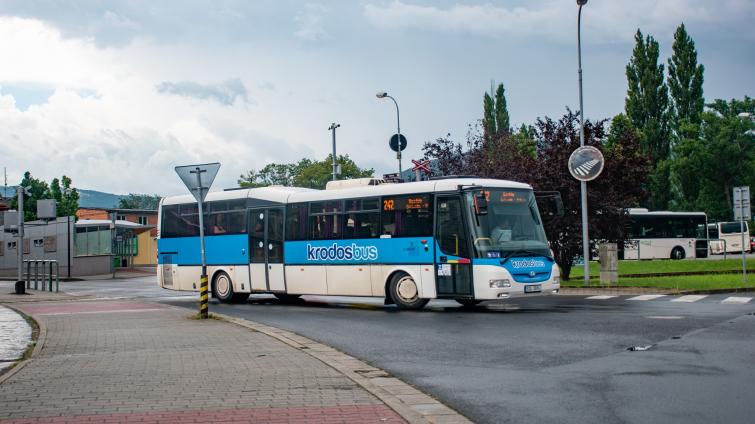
(666, 151)
(304, 173)
(61, 190)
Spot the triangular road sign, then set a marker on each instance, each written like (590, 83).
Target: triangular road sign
(198, 178)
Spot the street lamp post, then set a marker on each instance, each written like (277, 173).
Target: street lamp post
(582, 184)
(332, 128)
(382, 95)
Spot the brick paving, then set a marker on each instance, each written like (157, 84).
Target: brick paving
(144, 362)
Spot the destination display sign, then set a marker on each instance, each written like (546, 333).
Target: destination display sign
(406, 203)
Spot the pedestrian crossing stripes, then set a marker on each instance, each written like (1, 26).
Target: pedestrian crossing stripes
(647, 297)
(690, 298)
(737, 299)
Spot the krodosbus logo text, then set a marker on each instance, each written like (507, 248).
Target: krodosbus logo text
(335, 252)
(528, 263)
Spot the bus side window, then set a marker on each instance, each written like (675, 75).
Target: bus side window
(296, 222)
(325, 219)
(361, 218)
(407, 216)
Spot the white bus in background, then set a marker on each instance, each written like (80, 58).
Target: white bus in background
(726, 237)
(666, 235)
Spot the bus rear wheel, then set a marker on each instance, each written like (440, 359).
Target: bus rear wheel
(404, 292)
(222, 289)
(677, 253)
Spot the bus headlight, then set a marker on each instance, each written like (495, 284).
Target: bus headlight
(500, 284)
(557, 281)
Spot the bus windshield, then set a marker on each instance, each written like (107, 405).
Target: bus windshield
(512, 224)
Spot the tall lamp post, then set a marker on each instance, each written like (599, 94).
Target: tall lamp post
(582, 184)
(382, 95)
(332, 128)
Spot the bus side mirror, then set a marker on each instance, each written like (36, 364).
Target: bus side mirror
(550, 203)
(480, 204)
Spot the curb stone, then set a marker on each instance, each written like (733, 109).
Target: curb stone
(411, 404)
(39, 343)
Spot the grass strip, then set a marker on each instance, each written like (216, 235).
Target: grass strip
(666, 266)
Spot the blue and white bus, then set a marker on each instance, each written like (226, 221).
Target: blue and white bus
(468, 239)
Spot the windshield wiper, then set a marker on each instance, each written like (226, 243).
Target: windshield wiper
(526, 253)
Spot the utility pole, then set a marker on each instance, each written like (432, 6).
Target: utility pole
(332, 128)
(20, 244)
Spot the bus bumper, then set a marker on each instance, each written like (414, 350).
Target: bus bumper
(494, 282)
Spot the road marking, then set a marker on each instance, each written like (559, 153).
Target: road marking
(586, 167)
(647, 297)
(690, 298)
(601, 297)
(664, 317)
(737, 300)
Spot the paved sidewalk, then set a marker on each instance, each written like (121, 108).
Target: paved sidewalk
(129, 361)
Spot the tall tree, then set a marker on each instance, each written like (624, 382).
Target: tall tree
(495, 112)
(488, 120)
(68, 203)
(647, 107)
(501, 110)
(685, 82)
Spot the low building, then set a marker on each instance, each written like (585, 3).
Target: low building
(84, 247)
(134, 245)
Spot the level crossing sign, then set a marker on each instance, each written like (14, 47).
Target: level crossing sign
(421, 165)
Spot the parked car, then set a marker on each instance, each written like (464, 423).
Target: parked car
(752, 244)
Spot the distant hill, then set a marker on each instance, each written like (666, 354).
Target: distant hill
(87, 198)
(98, 199)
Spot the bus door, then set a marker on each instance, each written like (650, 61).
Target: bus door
(266, 249)
(453, 265)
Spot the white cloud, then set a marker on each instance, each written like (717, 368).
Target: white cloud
(608, 21)
(224, 93)
(108, 128)
(310, 23)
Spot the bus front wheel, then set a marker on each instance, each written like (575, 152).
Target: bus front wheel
(677, 253)
(404, 292)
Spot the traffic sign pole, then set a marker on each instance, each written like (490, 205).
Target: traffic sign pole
(742, 212)
(191, 175)
(585, 164)
(203, 295)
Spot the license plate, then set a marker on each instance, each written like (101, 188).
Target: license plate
(532, 288)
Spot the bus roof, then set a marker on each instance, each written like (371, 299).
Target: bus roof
(663, 213)
(281, 194)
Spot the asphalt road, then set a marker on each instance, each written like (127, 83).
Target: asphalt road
(559, 359)
(543, 359)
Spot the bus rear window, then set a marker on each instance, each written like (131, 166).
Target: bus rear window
(731, 228)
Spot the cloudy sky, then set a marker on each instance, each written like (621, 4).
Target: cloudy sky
(117, 93)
